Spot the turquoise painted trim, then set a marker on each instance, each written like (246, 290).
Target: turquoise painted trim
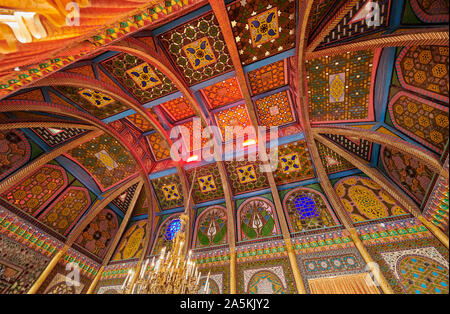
(297, 184)
(251, 194)
(119, 116)
(344, 174)
(138, 218)
(209, 203)
(163, 173)
(36, 139)
(214, 80)
(79, 174)
(163, 99)
(383, 82)
(170, 211)
(269, 60)
(271, 92)
(105, 56)
(395, 14)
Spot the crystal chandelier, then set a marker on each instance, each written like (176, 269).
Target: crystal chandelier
(171, 273)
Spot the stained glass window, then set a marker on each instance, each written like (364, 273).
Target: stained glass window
(307, 210)
(172, 229)
(306, 207)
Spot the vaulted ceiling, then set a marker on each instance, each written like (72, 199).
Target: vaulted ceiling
(86, 114)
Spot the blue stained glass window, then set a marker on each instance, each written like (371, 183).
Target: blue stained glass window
(306, 207)
(172, 229)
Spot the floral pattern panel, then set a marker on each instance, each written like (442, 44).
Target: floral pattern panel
(211, 227)
(257, 219)
(99, 233)
(364, 199)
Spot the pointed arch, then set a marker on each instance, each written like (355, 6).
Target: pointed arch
(213, 218)
(257, 218)
(308, 209)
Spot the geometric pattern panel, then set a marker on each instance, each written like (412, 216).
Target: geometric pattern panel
(307, 209)
(105, 159)
(268, 276)
(424, 69)
(166, 233)
(257, 219)
(232, 117)
(266, 78)
(222, 93)
(431, 11)
(55, 136)
(339, 86)
(36, 191)
(99, 233)
(423, 120)
(330, 263)
(332, 161)
(145, 82)
(294, 163)
(123, 201)
(168, 191)
(138, 121)
(65, 211)
(428, 271)
(211, 227)
(198, 49)
(409, 173)
(14, 151)
(421, 271)
(356, 146)
(98, 108)
(354, 23)
(158, 146)
(364, 199)
(178, 109)
(275, 110)
(207, 185)
(20, 266)
(245, 176)
(131, 244)
(262, 29)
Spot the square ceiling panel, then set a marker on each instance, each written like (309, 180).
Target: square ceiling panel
(222, 93)
(98, 104)
(207, 183)
(139, 122)
(245, 176)
(268, 77)
(262, 28)
(168, 191)
(178, 109)
(232, 117)
(198, 49)
(275, 110)
(158, 147)
(339, 87)
(294, 163)
(142, 80)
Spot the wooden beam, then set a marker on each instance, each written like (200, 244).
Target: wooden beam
(385, 184)
(340, 14)
(414, 37)
(98, 206)
(388, 141)
(45, 158)
(303, 110)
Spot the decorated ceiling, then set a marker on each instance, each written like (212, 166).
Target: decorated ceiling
(359, 101)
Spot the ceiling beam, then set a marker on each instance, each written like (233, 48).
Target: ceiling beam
(414, 37)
